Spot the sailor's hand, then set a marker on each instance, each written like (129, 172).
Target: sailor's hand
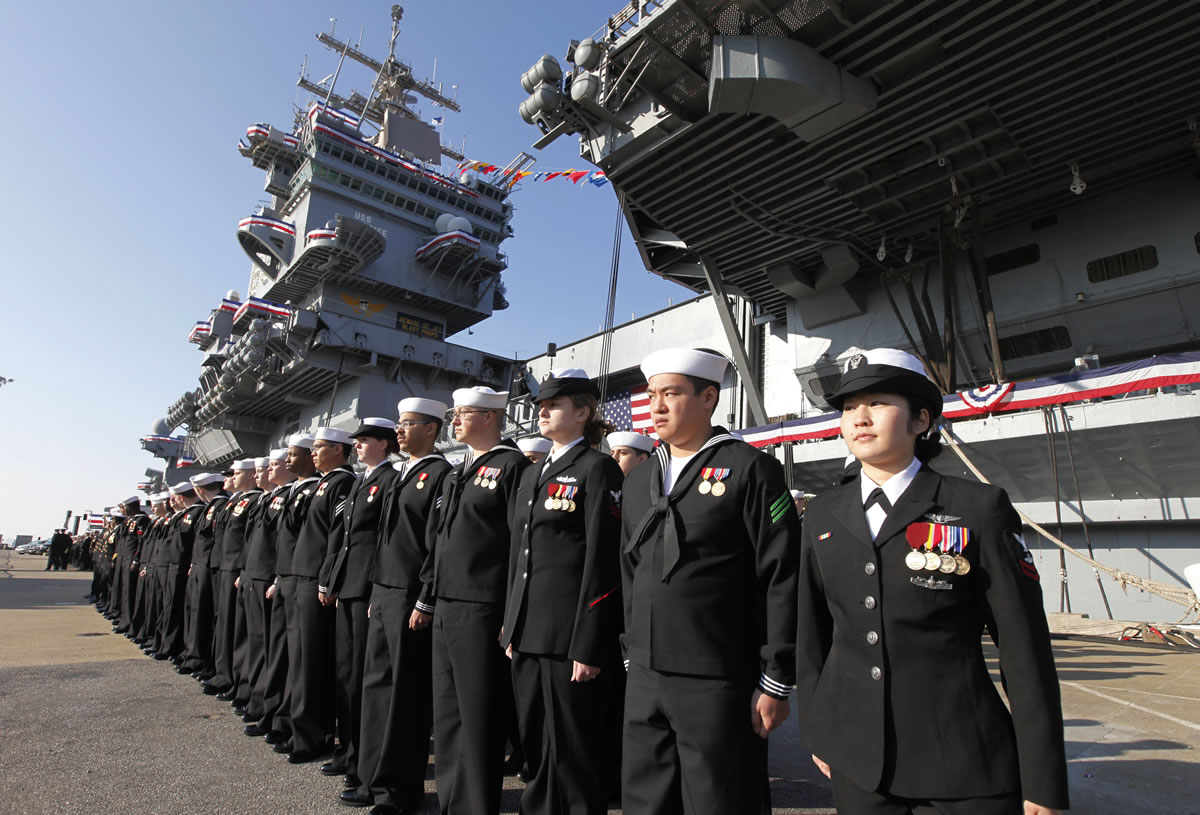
(767, 712)
(419, 619)
(237, 582)
(326, 599)
(508, 652)
(821, 765)
(583, 673)
(1037, 809)
(270, 591)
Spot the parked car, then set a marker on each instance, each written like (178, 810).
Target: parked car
(34, 548)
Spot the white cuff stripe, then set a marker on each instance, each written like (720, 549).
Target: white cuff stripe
(425, 609)
(774, 688)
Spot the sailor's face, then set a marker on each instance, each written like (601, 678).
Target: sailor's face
(299, 460)
(878, 428)
(262, 477)
(279, 472)
(676, 410)
(469, 421)
(559, 419)
(243, 480)
(370, 450)
(328, 456)
(414, 431)
(627, 458)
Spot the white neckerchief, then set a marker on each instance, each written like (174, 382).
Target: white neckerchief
(893, 488)
(558, 452)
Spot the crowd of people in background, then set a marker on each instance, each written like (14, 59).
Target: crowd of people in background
(621, 628)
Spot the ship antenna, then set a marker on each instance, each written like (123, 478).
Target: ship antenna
(329, 95)
(397, 13)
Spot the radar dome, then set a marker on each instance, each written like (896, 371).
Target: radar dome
(232, 294)
(587, 54)
(442, 224)
(461, 224)
(160, 428)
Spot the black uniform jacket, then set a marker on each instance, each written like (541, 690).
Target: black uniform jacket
(892, 686)
(150, 542)
(564, 573)
(728, 605)
(404, 556)
(322, 524)
(233, 537)
(179, 548)
(261, 531)
(133, 533)
(470, 528)
(162, 551)
(292, 514)
(220, 522)
(347, 571)
(206, 531)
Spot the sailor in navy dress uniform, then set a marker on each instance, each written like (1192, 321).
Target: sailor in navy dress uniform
(200, 614)
(179, 557)
(233, 539)
(708, 579)
(902, 569)
(562, 618)
(311, 663)
(247, 664)
(472, 688)
(266, 618)
(397, 692)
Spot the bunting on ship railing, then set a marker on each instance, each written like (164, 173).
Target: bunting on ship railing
(1162, 371)
(510, 178)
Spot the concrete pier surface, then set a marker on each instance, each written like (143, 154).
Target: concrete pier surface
(90, 724)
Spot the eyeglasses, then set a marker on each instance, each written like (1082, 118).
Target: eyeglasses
(409, 423)
(458, 414)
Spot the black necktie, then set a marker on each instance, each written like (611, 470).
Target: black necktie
(877, 497)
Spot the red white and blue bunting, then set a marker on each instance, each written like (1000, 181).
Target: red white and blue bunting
(596, 178)
(1115, 380)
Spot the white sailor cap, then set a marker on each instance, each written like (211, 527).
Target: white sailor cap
(687, 361)
(180, 488)
(534, 444)
(206, 479)
(426, 407)
(334, 434)
(116, 512)
(301, 440)
(278, 454)
(159, 497)
(480, 396)
(136, 500)
(624, 438)
(242, 464)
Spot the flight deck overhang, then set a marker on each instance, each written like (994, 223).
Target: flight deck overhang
(904, 108)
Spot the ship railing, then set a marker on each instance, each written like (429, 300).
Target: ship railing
(627, 20)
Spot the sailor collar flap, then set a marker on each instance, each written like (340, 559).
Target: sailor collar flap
(419, 470)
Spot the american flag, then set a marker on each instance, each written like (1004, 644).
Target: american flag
(628, 410)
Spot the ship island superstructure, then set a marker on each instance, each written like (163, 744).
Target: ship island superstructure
(366, 259)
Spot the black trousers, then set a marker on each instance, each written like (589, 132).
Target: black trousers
(200, 618)
(116, 585)
(225, 601)
(129, 589)
(173, 615)
(242, 682)
(689, 747)
(310, 667)
(145, 611)
(350, 648)
(397, 702)
(854, 800)
(274, 680)
(472, 694)
(563, 732)
(258, 610)
(160, 593)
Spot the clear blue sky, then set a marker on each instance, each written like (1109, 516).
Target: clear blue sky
(122, 190)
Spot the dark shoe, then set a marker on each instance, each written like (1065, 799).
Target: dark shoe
(226, 695)
(274, 737)
(238, 710)
(305, 756)
(513, 764)
(282, 747)
(383, 809)
(525, 775)
(351, 781)
(354, 798)
(198, 674)
(333, 768)
(250, 717)
(213, 690)
(183, 669)
(159, 655)
(254, 730)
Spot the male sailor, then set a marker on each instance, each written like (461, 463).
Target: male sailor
(210, 488)
(178, 557)
(629, 449)
(129, 545)
(709, 588)
(233, 533)
(535, 448)
(472, 689)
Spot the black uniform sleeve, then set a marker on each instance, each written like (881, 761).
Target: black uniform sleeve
(336, 501)
(596, 616)
(1015, 617)
(426, 602)
(774, 527)
(814, 622)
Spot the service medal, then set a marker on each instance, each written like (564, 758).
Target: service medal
(933, 561)
(705, 488)
(478, 481)
(549, 503)
(420, 485)
(962, 565)
(948, 564)
(718, 489)
(556, 503)
(914, 560)
(492, 484)
(571, 506)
